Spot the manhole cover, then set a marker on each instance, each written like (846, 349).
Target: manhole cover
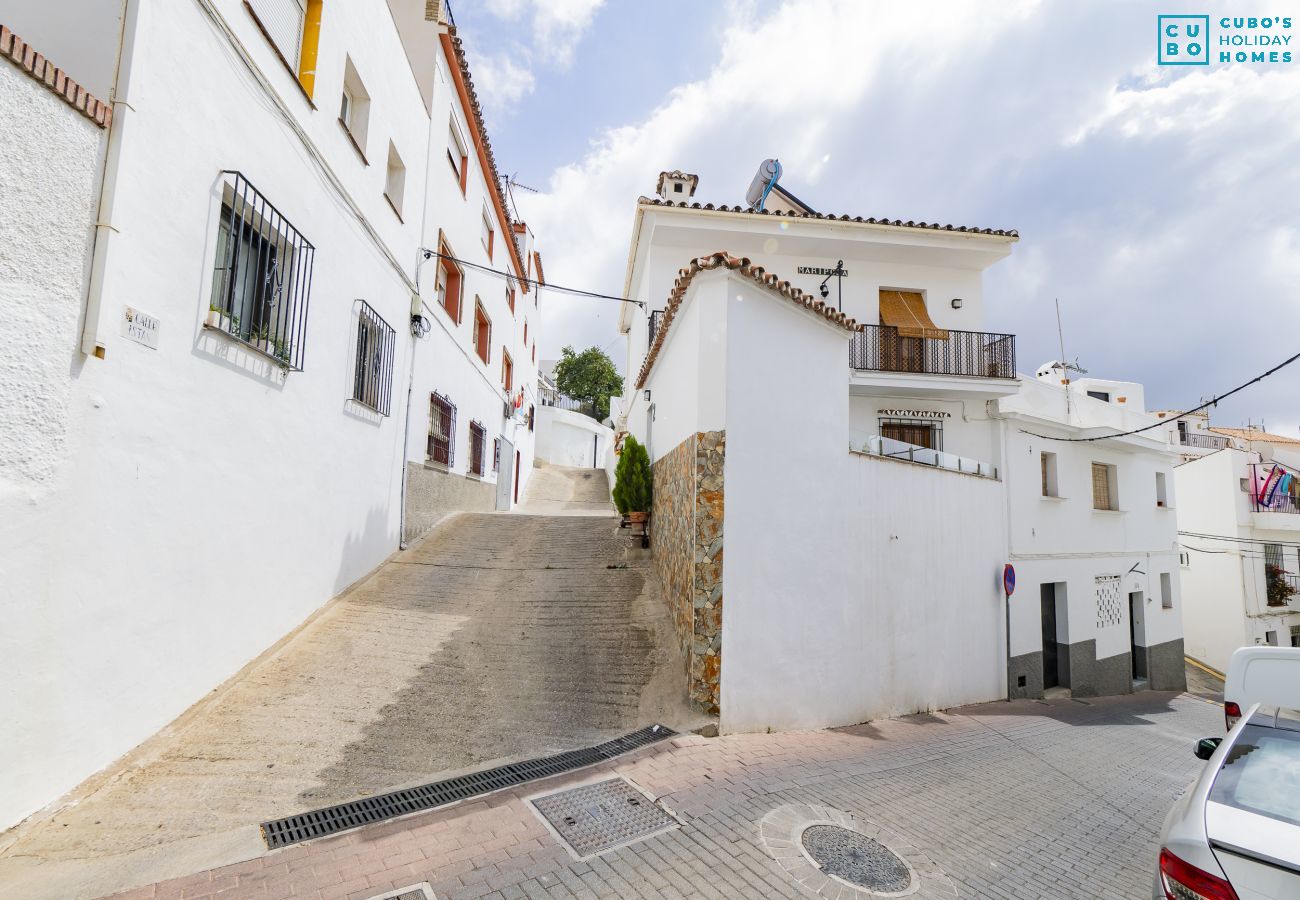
(597, 817)
(856, 858)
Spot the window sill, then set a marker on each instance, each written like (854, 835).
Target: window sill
(353, 141)
(1053, 497)
(1111, 512)
(249, 346)
(280, 56)
(473, 476)
(393, 206)
(437, 466)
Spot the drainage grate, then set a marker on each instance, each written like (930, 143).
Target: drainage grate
(856, 858)
(333, 819)
(597, 817)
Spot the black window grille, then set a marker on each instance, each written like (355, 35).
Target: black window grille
(262, 277)
(496, 454)
(477, 447)
(372, 381)
(442, 429)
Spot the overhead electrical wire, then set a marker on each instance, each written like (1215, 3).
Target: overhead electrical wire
(429, 254)
(1233, 540)
(1206, 405)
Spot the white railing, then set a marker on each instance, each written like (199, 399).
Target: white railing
(892, 449)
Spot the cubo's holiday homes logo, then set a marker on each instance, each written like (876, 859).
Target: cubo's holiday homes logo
(1186, 40)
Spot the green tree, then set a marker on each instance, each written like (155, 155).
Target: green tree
(633, 481)
(588, 376)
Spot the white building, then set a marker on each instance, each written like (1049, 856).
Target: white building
(213, 395)
(1093, 539)
(859, 475)
(1239, 518)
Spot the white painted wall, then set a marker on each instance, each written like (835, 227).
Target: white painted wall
(166, 515)
(568, 438)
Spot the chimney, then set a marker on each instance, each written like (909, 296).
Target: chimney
(677, 185)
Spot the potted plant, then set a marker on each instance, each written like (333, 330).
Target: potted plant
(217, 317)
(633, 483)
(281, 351)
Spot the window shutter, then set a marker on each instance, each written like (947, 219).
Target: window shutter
(1100, 487)
(283, 21)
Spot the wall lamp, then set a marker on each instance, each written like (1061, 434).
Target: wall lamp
(646, 395)
(956, 303)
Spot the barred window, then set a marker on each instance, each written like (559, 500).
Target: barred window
(372, 380)
(262, 277)
(477, 446)
(442, 429)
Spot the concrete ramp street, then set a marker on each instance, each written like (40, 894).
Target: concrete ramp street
(564, 491)
(500, 636)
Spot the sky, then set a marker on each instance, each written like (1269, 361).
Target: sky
(1160, 205)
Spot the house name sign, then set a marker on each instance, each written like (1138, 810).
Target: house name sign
(915, 413)
(821, 270)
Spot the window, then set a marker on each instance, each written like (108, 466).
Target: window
(1184, 559)
(261, 277)
(525, 328)
(1166, 591)
(510, 301)
(457, 154)
(534, 351)
(1104, 493)
(507, 371)
(442, 429)
(477, 445)
(1270, 638)
(482, 332)
(449, 283)
(1048, 465)
(915, 433)
(372, 378)
(1162, 498)
(354, 108)
(488, 235)
(1099, 395)
(395, 183)
(532, 410)
(496, 454)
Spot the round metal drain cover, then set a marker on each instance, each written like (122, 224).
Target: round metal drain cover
(856, 858)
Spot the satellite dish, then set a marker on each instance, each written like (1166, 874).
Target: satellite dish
(767, 176)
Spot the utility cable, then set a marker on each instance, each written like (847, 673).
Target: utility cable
(1207, 404)
(429, 254)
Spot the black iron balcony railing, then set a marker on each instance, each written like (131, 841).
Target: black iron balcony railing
(1203, 441)
(654, 325)
(977, 354)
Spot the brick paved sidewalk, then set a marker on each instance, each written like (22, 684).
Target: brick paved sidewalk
(1024, 799)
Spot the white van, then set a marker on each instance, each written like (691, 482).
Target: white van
(1268, 675)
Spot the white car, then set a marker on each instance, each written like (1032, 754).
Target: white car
(1235, 833)
(1268, 675)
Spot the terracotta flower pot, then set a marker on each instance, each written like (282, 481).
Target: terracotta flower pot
(637, 518)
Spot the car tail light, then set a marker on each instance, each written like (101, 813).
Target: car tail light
(1183, 881)
(1231, 713)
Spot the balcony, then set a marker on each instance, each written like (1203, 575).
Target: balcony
(1204, 441)
(654, 326)
(969, 354)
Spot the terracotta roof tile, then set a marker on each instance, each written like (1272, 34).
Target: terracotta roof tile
(1254, 434)
(897, 223)
(761, 276)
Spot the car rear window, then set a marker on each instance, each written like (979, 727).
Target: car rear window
(1261, 774)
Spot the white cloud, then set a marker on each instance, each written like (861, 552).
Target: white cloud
(500, 83)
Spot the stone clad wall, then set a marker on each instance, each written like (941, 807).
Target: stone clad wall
(686, 543)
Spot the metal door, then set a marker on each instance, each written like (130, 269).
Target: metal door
(504, 473)
(1047, 602)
